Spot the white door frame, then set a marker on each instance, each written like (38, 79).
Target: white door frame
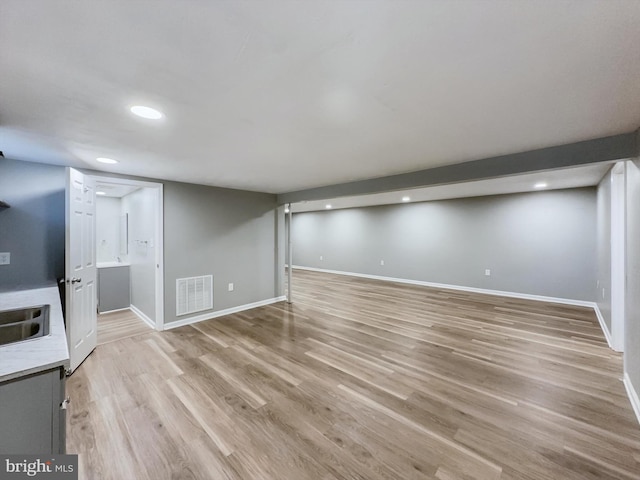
(159, 240)
(289, 247)
(618, 247)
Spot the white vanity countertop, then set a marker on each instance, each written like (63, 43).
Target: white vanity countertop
(38, 354)
(111, 264)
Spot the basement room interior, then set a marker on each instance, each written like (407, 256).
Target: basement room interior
(339, 239)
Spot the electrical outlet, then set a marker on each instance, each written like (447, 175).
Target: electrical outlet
(231, 287)
(382, 262)
(5, 258)
(487, 273)
(321, 258)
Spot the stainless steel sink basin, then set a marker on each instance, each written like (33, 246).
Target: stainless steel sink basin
(24, 324)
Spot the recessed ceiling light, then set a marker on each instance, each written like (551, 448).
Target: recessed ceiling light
(406, 199)
(146, 112)
(110, 161)
(100, 193)
(328, 206)
(540, 185)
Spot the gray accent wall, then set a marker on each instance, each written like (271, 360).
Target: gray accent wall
(230, 234)
(540, 243)
(603, 276)
(32, 230)
(632, 296)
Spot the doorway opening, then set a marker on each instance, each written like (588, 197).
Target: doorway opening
(129, 257)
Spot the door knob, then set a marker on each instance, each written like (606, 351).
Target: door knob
(76, 280)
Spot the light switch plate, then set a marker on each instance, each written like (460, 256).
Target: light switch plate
(231, 287)
(5, 258)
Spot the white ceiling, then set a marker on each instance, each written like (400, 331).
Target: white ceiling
(278, 95)
(555, 179)
(116, 190)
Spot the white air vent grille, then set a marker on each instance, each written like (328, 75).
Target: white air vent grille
(194, 294)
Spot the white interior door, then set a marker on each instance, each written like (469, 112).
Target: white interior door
(80, 267)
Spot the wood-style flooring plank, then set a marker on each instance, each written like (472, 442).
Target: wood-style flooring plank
(114, 326)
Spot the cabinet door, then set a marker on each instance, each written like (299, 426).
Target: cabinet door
(59, 424)
(27, 413)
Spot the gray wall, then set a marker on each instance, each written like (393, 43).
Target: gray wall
(632, 296)
(32, 230)
(231, 234)
(541, 243)
(228, 233)
(603, 276)
(141, 206)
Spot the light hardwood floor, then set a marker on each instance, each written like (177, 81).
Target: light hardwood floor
(360, 379)
(121, 324)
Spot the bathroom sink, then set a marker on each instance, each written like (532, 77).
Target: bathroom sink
(24, 324)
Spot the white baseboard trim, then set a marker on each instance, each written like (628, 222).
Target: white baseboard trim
(114, 310)
(633, 395)
(526, 296)
(221, 313)
(143, 317)
(603, 326)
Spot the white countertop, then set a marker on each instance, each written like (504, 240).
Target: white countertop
(111, 264)
(38, 354)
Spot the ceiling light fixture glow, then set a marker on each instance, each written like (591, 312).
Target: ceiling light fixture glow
(109, 161)
(540, 185)
(406, 199)
(146, 112)
(100, 193)
(328, 206)
(286, 210)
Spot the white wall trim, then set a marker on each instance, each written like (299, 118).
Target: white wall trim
(159, 324)
(114, 310)
(525, 296)
(618, 258)
(633, 395)
(222, 313)
(142, 316)
(603, 326)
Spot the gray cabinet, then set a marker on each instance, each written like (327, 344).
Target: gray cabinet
(33, 414)
(113, 288)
